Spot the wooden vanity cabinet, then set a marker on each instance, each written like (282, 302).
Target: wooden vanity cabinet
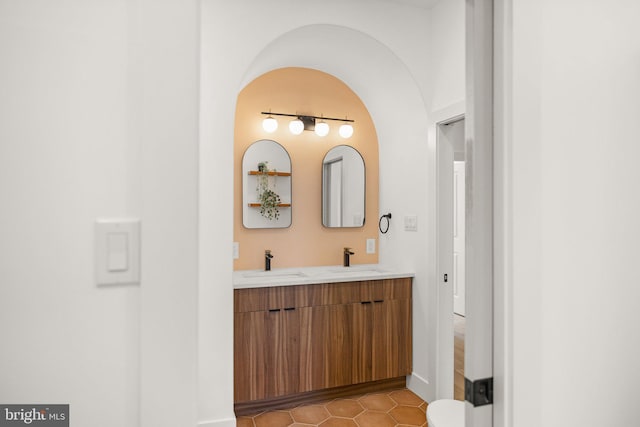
(298, 339)
(382, 344)
(267, 355)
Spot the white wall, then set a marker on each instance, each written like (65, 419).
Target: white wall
(445, 100)
(446, 85)
(573, 208)
(98, 118)
(64, 160)
(166, 103)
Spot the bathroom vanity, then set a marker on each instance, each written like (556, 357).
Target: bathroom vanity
(319, 332)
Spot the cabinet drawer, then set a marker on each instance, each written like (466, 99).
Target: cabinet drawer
(280, 297)
(353, 292)
(264, 299)
(390, 289)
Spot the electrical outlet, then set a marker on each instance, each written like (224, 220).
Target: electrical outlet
(410, 223)
(236, 250)
(371, 246)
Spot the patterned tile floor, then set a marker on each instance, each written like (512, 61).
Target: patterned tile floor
(385, 409)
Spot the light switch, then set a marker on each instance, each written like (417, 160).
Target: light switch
(117, 251)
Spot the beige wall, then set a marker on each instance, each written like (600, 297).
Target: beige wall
(306, 242)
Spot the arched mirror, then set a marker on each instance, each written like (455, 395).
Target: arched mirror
(266, 182)
(343, 188)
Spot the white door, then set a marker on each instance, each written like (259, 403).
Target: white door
(458, 237)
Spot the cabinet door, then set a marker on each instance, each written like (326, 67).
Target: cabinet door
(326, 351)
(266, 347)
(288, 353)
(391, 339)
(362, 326)
(252, 364)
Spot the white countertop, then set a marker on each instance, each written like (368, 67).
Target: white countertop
(310, 275)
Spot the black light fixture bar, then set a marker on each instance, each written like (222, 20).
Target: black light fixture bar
(306, 115)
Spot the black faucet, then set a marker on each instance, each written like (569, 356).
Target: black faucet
(267, 260)
(347, 253)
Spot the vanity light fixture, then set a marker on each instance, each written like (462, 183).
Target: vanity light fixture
(296, 126)
(322, 128)
(346, 130)
(270, 124)
(305, 122)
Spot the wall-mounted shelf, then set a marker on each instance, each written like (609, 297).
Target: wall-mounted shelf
(274, 173)
(266, 165)
(280, 205)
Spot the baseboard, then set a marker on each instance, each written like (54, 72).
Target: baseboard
(227, 422)
(421, 387)
(283, 402)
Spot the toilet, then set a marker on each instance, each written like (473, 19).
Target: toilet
(445, 413)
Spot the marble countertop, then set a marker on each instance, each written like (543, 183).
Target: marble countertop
(310, 275)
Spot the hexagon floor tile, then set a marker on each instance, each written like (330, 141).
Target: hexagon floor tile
(383, 409)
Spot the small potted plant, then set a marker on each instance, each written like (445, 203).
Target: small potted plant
(269, 199)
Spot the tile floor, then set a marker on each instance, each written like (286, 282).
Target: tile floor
(385, 409)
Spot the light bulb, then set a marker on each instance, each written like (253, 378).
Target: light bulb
(322, 129)
(270, 124)
(346, 130)
(296, 126)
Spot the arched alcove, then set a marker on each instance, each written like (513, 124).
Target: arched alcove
(305, 242)
(394, 101)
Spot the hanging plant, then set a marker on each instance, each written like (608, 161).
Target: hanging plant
(269, 199)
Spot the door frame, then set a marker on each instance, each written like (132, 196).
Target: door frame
(502, 32)
(479, 125)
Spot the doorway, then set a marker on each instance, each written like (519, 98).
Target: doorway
(454, 134)
(450, 149)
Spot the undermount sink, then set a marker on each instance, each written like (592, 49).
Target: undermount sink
(355, 270)
(274, 274)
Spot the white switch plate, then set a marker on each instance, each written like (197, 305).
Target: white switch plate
(371, 246)
(117, 251)
(410, 223)
(236, 250)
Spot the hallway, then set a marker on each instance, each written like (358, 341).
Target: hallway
(458, 356)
